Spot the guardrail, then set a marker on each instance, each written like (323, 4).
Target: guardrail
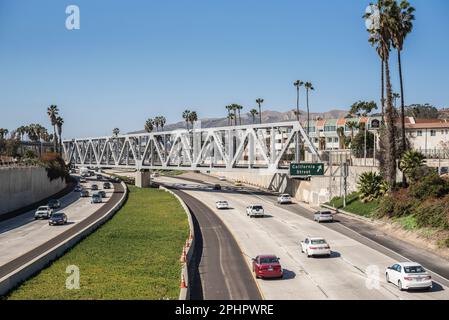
(13, 279)
(186, 255)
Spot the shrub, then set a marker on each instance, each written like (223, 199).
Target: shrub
(433, 213)
(410, 164)
(55, 166)
(397, 204)
(432, 185)
(371, 186)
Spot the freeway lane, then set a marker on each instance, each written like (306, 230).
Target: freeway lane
(29, 239)
(355, 270)
(219, 270)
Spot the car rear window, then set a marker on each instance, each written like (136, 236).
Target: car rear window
(269, 260)
(325, 213)
(42, 208)
(414, 269)
(319, 241)
(57, 215)
(257, 208)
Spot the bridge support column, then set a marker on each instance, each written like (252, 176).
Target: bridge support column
(143, 179)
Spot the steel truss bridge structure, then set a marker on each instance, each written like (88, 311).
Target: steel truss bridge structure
(264, 148)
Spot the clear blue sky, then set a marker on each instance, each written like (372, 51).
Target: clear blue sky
(137, 59)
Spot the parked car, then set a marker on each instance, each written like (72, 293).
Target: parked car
(321, 216)
(315, 246)
(78, 188)
(96, 198)
(94, 187)
(102, 193)
(99, 177)
(255, 210)
(43, 212)
(284, 198)
(222, 204)
(106, 185)
(58, 218)
(267, 266)
(54, 204)
(84, 193)
(217, 187)
(408, 275)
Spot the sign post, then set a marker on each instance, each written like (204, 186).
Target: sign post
(306, 169)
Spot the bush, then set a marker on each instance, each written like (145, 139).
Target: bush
(433, 213)
(55, 166)
(397, 204)
(371, 186)
(431, 186)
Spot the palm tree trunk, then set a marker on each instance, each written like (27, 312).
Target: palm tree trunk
(240, 118)
(297, 103)
(382, 94)
(404, 140)
(390, 142)
(55, 139)
(308, 113)
(260, 114)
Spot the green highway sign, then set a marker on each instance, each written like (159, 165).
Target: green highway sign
(306, 169)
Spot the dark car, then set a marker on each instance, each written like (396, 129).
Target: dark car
(84, 193)
(78, 189)
(102, 193)
(217, 187)
(54, 204)
(99, 177)
(94, 187)
(107, 185)
(267, 266)
(58, 218)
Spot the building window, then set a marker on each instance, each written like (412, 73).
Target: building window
(419, 133)
(330, 128)
(375, 124)
(329, 140)
(433, 133)
(335, 140)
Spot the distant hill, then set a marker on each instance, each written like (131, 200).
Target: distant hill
(267, 117)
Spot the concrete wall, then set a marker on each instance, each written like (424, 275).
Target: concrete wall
(316, 191)
(20, 187)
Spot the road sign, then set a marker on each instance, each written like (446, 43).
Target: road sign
(306, 169)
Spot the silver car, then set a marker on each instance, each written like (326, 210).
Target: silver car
(284, 199)
(321, 216)
(43, 212)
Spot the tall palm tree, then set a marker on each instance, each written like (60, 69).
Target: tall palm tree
(3, 133)
(402, 25)
(298, 84)
(59, 123)
(233, 112)
(185, 116)
(53, 112)
(381, 37)
(396, 96)
(231, 117)
(115, 131)
(229, 108)
(157, 122)
(259, 101)
(162, 122)
(253, 113)
(149, 125)
(308, 86)
(238, 108)
(21, 131)
(193, 117)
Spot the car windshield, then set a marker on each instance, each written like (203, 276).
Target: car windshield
(318, 241)
(414, 269)
(269, 260)
(285, 195)
(42, 208)
(57, 215)
(257, 208)
(325, 213)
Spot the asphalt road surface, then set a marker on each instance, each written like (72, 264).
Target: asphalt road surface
(354, 271)
(22, 238)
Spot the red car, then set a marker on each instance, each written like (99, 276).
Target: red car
(267, 266)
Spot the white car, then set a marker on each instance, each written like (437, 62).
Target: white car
(315, 246)
(255, 210)
(43, 212)
(408, 275)
(321, 216)
(221, 178)
(284, 198)
(222, 204)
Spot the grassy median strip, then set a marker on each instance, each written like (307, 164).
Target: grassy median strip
(133, 256)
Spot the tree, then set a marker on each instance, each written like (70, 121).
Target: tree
(162, 122)
(422, 111)
(298, 84)
(115, 131)
(308, 86)
(149, 125)
(253, 113)
(193, 117)
(411, 161)
(21, 131)
(53, 112)
(341, 137)
(380, 35)
(396, 96)
(259, 101)
(239, 108)
(59, 123)
(352, 125)
(3, 133)
(371, 186)
(229, 109)
(185, 116)
(362, 108)
(402, 25)
(358, 144)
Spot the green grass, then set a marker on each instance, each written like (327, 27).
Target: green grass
(133, 256)
(407, 222)
(354, 205)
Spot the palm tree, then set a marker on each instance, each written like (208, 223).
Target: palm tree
(156, 122)
(185, 116)
(259, 101)
(402, 21)
(59, 123)
(237, 108)
(53, 112)
(231, 117)
(352, 125)
(396, 96)
(162, 122)
(193, 117)
(115, 131)
(229, 108)
(149, 125)
(308, 86)
(3, 133)
(253, 113)
(298, 84)
(381, 36)
(411, 160)
(21, 131)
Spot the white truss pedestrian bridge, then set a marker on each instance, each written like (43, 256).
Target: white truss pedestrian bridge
(260, 148)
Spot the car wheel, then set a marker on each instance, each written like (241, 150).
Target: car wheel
(400, 286)
(307, 253)
(387, 278)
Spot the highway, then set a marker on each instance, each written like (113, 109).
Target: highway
(22, 238)
(354, 271)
